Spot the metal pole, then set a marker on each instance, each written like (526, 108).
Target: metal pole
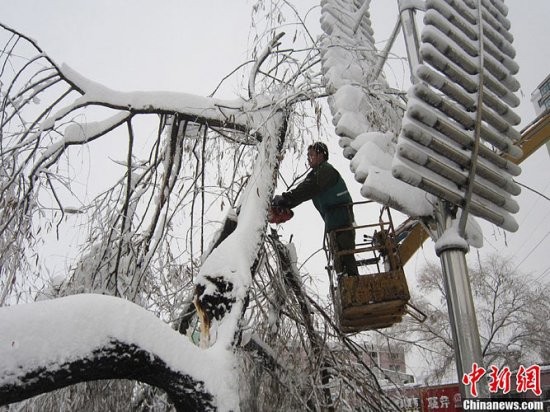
(460, 305)
(383, 57)
(452, 253)
(412, 44)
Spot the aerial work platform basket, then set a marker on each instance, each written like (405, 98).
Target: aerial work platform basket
(379, 296)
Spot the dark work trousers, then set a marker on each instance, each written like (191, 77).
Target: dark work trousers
(344, 241)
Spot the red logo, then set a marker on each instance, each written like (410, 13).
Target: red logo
(473, 377)
(499, 379)
(527, 379)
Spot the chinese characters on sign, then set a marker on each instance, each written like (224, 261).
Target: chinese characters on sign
(527, 379)
(442, 400)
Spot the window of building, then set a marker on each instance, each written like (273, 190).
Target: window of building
(395, 368)
(545, 102)
(545, 88)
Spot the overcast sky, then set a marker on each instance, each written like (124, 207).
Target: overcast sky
(189, 46)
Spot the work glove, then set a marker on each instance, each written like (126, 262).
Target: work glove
(279, 201)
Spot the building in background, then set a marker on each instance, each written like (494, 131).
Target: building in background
(390, 363)
(541, 97)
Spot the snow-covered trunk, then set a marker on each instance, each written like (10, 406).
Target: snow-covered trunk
(224, 279)
(89, 336)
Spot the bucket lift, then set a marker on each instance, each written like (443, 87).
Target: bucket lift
(379, 296)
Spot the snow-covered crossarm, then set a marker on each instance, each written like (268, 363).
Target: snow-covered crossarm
(440, 113)
(358, 102)
(459, 126)
(366, 115)
(50, 344)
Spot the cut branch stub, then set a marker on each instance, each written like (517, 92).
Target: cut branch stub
(213, 305)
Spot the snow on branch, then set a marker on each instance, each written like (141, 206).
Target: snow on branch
(51, 344)
(225, 276)
(48, 111)
(198, 109)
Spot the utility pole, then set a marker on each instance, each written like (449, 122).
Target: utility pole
(445, 151)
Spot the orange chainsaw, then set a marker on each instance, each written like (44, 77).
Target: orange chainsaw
(279, 214)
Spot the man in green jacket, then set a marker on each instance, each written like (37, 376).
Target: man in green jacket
(330, 196)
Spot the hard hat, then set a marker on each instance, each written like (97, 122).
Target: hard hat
(319, 147)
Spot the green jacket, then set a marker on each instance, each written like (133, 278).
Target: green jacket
(328, 191)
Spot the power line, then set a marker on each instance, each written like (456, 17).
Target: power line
(527, 215)
(532, 250)
(532, 233)
(533, 190)
(544, 272)
(533, 204)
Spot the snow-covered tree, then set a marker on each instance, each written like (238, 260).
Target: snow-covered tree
(512, 315)
(166, 197)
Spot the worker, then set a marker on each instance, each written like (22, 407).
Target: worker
(326, 188)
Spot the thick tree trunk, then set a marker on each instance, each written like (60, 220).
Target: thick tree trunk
(224, 279)
(52, 344)
(117, 360)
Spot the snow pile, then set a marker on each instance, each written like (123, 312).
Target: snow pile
(451, 239)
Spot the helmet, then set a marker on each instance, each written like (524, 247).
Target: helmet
(319, 147)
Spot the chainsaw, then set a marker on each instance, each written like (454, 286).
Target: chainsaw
(279, 214)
